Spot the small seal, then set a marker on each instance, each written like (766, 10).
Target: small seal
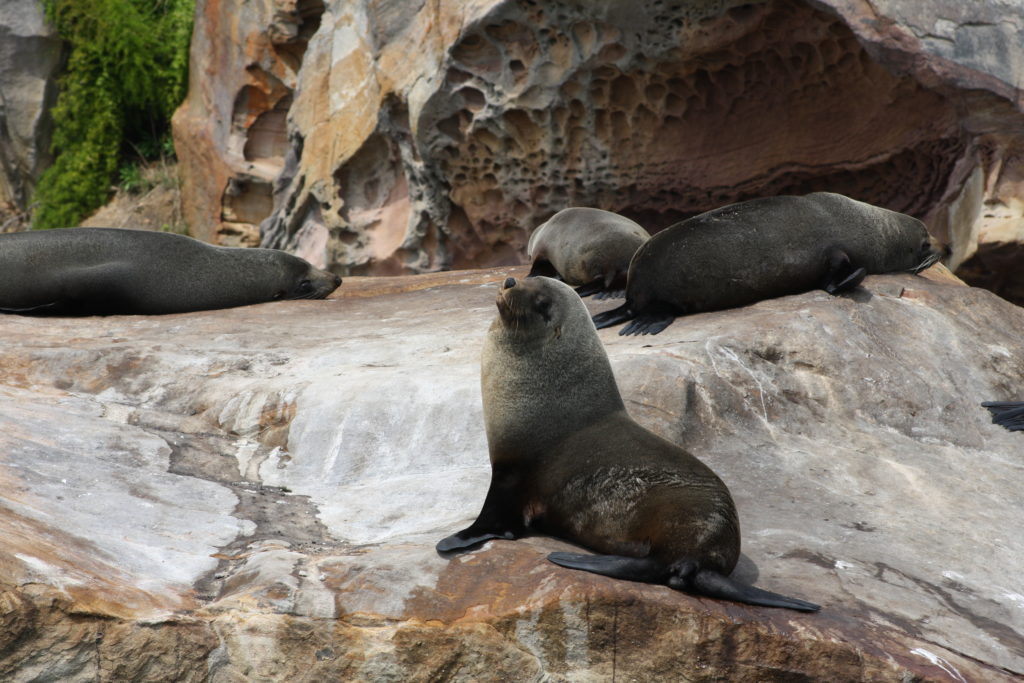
(587, 248)
(105, 271)
(764, 248)
(567, 460)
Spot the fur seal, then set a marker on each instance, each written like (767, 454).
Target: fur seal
(1008, 414)
(106, 271)
(764, 248)
(567, 460)
(589, 249)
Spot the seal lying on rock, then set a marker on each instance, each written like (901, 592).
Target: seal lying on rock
(567, 460)
(103, 271)
(587, 248)
(1009, 414)
(763, 248)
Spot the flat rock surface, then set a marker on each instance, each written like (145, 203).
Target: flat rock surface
(254, 493)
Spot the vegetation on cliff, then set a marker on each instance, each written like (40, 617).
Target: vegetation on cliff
(127, 71)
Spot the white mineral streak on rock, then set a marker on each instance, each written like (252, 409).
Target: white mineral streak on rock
(939, 662)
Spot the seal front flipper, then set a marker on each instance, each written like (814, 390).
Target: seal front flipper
(613, 317)
(841, 275)
(500, 517)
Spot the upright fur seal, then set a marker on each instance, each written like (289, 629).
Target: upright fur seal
(104, 271)
(587, 248)
(764, 248)
(567, 460)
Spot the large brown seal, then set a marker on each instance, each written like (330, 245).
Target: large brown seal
(587, 248)
(567, 460)
(764, 248)
(104, 271)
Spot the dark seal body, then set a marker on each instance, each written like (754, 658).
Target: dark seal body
(587, 248)
(104, 271)
(765, 248)
(567, 460)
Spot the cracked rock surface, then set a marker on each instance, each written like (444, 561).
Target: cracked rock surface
(254, 494)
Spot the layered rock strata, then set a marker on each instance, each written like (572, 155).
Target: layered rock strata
(254, 494)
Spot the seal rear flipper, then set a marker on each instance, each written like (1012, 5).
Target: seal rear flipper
(648, 323)
(1008, 414)
(841, 275)
(643, 569)
(613, 317)
(714, 585)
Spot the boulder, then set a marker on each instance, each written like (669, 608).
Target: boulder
(380, 137)
(254, 493)
(30, 58)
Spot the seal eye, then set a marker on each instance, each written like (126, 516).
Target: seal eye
(543, 307)
(305, 287)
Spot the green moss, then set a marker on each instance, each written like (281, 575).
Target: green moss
(127, 72)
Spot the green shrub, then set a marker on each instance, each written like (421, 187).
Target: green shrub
(127, 71)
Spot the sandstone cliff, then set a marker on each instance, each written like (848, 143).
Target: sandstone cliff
(254, 494)
(385, 137)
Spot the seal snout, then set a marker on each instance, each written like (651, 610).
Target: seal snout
(509, 283)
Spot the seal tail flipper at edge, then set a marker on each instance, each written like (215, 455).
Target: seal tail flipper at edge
(714, 585)
(1008, 414)
(642, 569)
(613, 317)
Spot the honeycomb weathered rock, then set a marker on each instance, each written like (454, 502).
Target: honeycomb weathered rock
(424, 136)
